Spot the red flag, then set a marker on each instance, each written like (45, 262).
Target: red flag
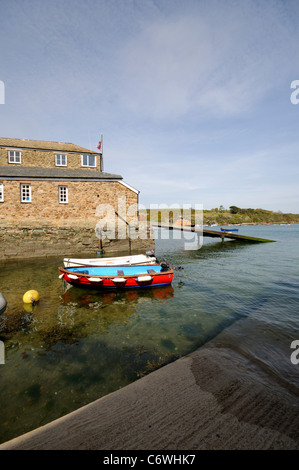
(99, 145)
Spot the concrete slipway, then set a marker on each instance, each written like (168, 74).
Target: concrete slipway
(214, 398)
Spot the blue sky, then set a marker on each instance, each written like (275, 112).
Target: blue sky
(192, 97)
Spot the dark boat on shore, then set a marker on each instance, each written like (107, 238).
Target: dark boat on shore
(3, 303)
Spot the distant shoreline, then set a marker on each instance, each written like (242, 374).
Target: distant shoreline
(232, 216)
(250, 223)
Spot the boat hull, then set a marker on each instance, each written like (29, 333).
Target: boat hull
(127, 277)
(116, 261)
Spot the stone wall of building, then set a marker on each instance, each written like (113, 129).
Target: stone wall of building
(46, 159)
(45, 227)
(28, 241)
(83, 201)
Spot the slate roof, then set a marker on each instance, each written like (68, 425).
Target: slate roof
(61, 173)
(43, 145)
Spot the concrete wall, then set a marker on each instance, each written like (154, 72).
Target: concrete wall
(29, 241)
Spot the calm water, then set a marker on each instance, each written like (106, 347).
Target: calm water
(75, 346)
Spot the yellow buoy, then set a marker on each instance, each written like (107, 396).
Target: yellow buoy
(30, 296)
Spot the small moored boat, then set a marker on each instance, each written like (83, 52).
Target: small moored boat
(185, 222)
(116, 261)
(229, 229)
(118, 277)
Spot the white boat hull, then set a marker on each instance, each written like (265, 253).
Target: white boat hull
(116, 261)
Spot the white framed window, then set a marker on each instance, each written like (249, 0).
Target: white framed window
(60, 159)
(14, 156)
(88, 160)
(1, 192)
(63, 194)
(25, 192)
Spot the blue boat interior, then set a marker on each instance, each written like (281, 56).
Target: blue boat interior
(116, 270)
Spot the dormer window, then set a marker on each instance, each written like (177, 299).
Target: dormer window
(14, 156)
(60, 159)
(89, 160)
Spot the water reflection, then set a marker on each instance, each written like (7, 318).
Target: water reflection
(75, 346)
(84, 298)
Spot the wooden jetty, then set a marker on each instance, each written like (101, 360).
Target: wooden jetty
(211, 233)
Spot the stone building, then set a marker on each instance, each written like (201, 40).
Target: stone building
(49, 195)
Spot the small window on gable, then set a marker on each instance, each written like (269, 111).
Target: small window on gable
(1, 193)
(63, 194)
(89, 160)
(60, 159)
(25, 192)
(14, 156)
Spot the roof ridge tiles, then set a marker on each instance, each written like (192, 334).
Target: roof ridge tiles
(41, 172)
(43, 145)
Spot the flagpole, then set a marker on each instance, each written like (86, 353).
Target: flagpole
(102, 157)
(100, 147)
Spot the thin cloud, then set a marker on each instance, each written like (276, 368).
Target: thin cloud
(226, 66)
(191, 96)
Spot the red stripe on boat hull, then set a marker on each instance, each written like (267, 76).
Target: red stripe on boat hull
(159, 279)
